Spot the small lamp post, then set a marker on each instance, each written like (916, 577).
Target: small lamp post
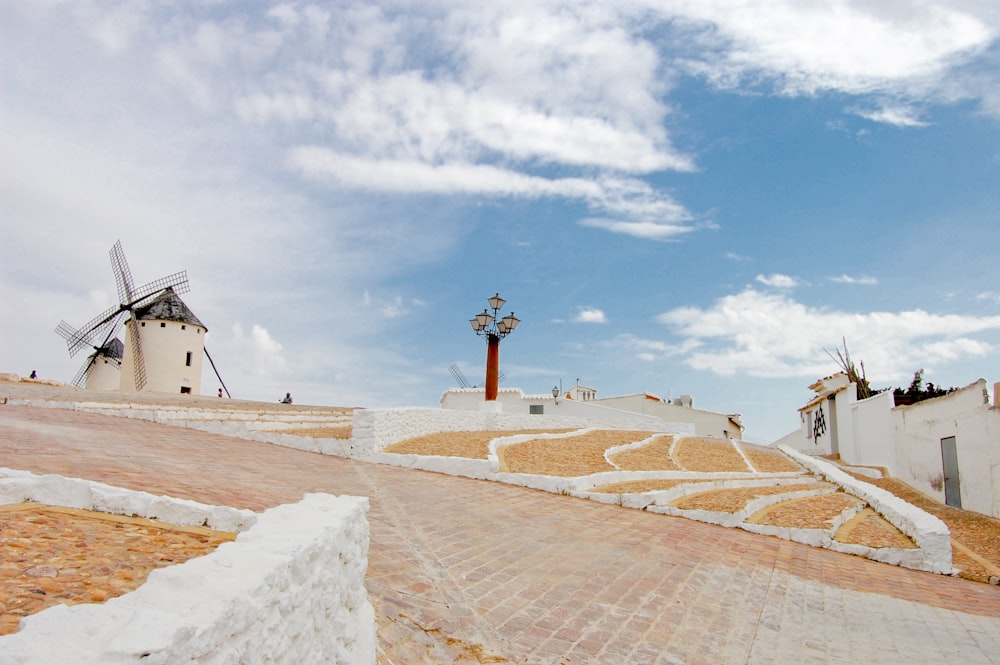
(493, 328)
(555, 393)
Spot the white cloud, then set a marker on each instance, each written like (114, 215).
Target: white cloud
(259, 354)
(590, 315)
(900, 116)
(989, 296)
(848, 279)
(771, 335)
(649, 350)
(856, 48)
(624, 196)
(778, 281)
(646, 230)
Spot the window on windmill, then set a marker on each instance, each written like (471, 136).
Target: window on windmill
(183, 327)
(187, 361)
(163, 324)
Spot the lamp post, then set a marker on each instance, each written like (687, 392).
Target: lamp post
(493, 329)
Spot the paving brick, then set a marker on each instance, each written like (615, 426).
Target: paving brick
(459, 567)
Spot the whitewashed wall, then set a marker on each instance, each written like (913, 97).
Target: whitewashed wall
(967, 415)
(706, 423)
(871, 430)
(289, 589)
(374, 429)
(907, 440)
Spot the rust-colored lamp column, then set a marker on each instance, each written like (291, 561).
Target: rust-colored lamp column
(492, 367)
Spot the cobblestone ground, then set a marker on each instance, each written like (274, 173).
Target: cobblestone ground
(466, 571)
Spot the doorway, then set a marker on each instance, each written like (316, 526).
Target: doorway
(949, 459)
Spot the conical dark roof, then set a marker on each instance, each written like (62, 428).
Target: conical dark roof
(114, 349)
(168, 307)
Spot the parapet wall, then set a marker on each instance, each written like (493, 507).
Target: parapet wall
(289, 589)
(376, 429)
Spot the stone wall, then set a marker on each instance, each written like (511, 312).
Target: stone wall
(289, 589)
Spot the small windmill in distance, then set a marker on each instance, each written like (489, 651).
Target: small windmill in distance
(459, 376)
(456, 373)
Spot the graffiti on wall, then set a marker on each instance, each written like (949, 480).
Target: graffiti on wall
(819, 424)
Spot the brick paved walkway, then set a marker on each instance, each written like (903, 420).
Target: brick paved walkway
(466, 571)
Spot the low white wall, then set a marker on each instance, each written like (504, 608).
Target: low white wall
(290, 589)
(18, 486)
(931, 535)
(375, 429)
(513, 401)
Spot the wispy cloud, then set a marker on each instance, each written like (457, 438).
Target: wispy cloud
(848, 279)
(899, 116)
(778, 281)
(590, 315)
(645, 230)
(771, 335)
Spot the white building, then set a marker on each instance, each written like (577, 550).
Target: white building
(706, 423)
(172, 342)
(947, 447)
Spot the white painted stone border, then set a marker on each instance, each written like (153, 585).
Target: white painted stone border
(931, 535)
(697, 484)
(289, 589)
(19, 486)
(737, 519)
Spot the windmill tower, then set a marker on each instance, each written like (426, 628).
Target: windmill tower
(164, 340)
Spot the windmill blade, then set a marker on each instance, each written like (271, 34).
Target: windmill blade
(128, 294)
(80, 380)
(65, 330)
(96, 327)
(457, 374)
(178, 282)
(123, 275)
(138, 362)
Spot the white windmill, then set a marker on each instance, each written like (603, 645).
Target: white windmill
(164, 340)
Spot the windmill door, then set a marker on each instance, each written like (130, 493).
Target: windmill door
(949, 458)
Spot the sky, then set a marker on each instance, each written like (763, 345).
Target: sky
(676, 197)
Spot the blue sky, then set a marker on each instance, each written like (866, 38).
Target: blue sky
(675, 197)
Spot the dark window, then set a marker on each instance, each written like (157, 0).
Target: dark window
(143, 324)
(185, 390)
(163, 325)
(187, 361)
(184, 327)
